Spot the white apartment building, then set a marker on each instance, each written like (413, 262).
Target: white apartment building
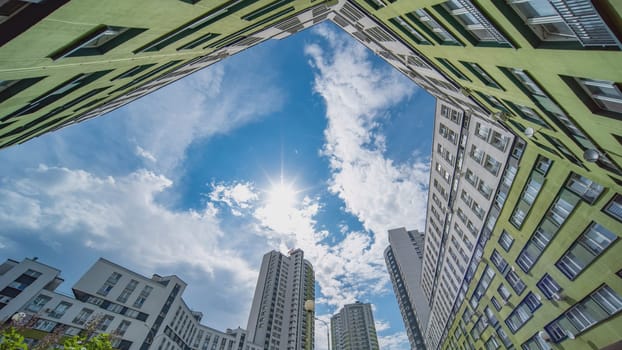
(404, 262)
(278, 319)
(139, 312)
(353, 328)
(468, 161)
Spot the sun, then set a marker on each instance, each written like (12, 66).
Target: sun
(282, 197)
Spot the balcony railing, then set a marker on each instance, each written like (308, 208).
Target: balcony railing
(585, 22)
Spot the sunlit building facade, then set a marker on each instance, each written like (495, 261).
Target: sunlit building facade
(353, 328)
(139, 313)
(278, 319)
(521, 247)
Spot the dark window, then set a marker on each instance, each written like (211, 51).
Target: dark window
(10, 88)
(56, 93)
(97, 42)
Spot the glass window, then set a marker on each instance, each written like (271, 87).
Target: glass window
(38, 303)
(492, 165)
(105, 322)
(83, 316)
(523, 312)
(144, 294)
(506, 241)
(605, 94)
(584, 187)
(474, 21)
(44, 325)
(436, 29)
(587, 248)
(614, 208)
(515, 282)
(549, 287)
(60, 310)
(479, 72)
(98, 42)
(498, 261)
(504, 292)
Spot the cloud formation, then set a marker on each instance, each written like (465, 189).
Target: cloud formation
(201, 105)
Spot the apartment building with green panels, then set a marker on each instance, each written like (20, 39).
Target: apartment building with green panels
(62, 61)
(549, 71)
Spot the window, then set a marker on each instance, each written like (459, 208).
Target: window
(588, 247)
(408, 30)
(523, 312)
(584, 187)
(123, 326)
(548, 286)
(552, 21)
(482, 131)
(614, 208)
(515, 282)
(543, 165)
(144, 294)
(484, 189)
(452, 68)
(56, 93)
(476, 154)
(606, 95)
(131, 286)
(38, 303)
(97, 42)
(528, 197)
(504, 292)
(479, 72)
(535, 343)
(109, 284)
(60, 310)
(498, 261)
(506, 241)
(474, 23)
(600, 305)
(432, 27)
(498, 141)
(10, 88)
(495, 303)
(194, 26)
(44, 325)
(83, 316)
(105, 322)
(492, 165)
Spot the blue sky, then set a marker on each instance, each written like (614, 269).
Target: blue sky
(194, 179)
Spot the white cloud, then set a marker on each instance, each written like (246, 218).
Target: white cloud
(213, 101)
(379, 192)
(238, 196)
(118, 217)
(382, 325)
(395, 341)
(141, 152)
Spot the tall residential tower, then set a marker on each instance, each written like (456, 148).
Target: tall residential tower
(404, 257)
(353, 328)
(278, 319)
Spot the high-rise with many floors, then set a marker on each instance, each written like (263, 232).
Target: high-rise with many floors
(278, 319)
(353, 328)
(404, 262)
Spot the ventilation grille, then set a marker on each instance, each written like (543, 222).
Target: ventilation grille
(291, 25)
(378, 34)
(352, 13)
(251, 40)
(341, 21)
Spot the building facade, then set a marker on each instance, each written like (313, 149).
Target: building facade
(526, 164)
(353, 328)
(139, 313)
(278, 319)
(404, 262)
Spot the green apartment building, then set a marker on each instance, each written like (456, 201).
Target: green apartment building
(545, 272)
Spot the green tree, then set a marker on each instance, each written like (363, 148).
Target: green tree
(11, 339)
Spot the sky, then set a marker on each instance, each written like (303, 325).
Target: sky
(309, 142)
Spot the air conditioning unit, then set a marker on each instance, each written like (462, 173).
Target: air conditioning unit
(544, 335)
(569, 334)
